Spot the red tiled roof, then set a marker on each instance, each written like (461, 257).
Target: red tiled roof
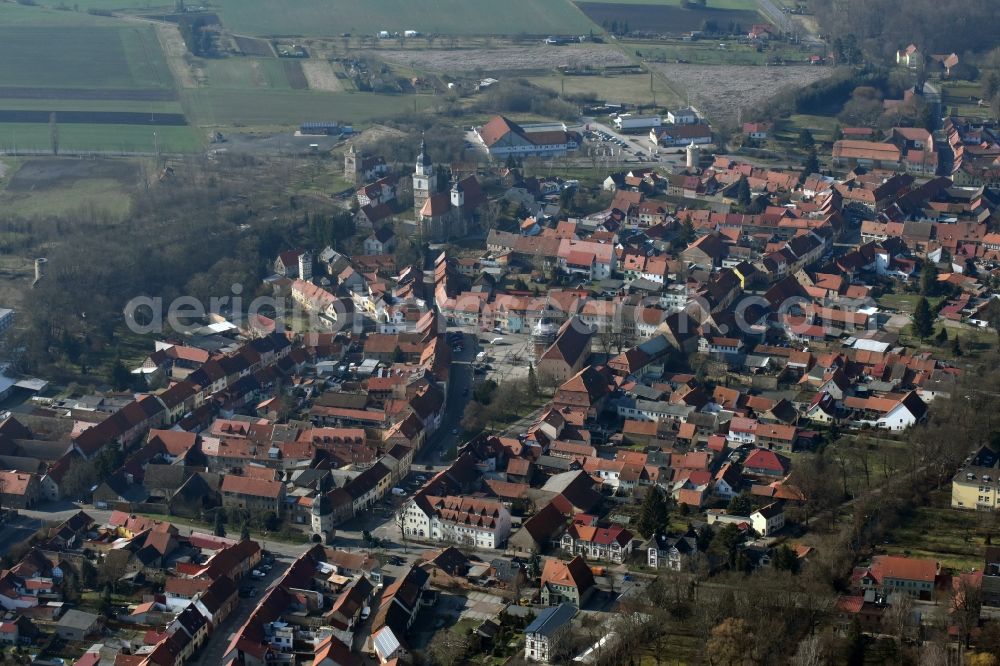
(255, 487)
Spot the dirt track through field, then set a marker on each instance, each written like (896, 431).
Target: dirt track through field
(320, 76)
(175, 51)
(720, 91)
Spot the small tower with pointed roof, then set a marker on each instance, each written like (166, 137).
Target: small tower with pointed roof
(424, 178)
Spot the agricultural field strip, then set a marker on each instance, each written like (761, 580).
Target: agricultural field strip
(86, 117)
(503, 58)
(666, 19)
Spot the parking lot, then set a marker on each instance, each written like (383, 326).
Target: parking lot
(507, 356)
(631, 147)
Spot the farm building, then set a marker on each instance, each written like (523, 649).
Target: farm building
(502, 136)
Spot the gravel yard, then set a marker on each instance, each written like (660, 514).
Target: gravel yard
(501, 59)
(719, 91)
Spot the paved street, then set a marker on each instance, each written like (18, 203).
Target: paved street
(213, 650)
(459, 388)
(63, 510)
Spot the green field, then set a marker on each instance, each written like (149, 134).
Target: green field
(322, 18)
(953, 537)
(82, 57)
(631, 88)
(101, 194)
(246, 73)
(750, 5)
(12, 14)
(823, 128)
(282, 108)
(95, 137)
(137, 106)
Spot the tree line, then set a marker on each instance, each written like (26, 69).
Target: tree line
(881, 27)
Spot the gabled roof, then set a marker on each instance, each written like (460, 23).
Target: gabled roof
(574, 573)
(242, 485)
(550, 620)
(764, 459)
(904, 568)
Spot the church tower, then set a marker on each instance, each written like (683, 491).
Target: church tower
(424, 179)
(351, 171)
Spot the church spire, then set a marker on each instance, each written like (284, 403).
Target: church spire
(423, 159)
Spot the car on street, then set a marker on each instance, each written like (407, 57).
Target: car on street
(365, 612)
(257, 573)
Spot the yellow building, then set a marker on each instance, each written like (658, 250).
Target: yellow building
(975, 488)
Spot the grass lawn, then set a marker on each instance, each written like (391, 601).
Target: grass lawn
(683, 649)
(962, 95)
(232, 530)
(82, 57)
(954, 537)
(885, 457)
(632, 89)
(102, 194)
(905, 302)
(280, 109)
(246, 73)
(318, 18)
(822, 127)
(112, 138)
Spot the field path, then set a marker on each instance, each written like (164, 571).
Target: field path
(320, 76)
(175, 51)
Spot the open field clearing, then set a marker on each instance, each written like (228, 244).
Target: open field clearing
(320, 76)
(91, 137)
(719, 91)
(320, 18)
(294, 74)
(52, 186)
(667, 19)
(281, 108)
(98, 117)
(50, 94)
(117, 105)
(82, 57)
(625, 88)
(503, 58)
(254, 47)
(953, 537)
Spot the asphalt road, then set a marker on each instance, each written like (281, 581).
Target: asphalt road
(448, 434)
(218, 640)
(63, 510)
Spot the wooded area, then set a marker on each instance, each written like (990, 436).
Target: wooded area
(936, 26)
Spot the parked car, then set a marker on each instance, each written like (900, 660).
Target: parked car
(257, 573)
